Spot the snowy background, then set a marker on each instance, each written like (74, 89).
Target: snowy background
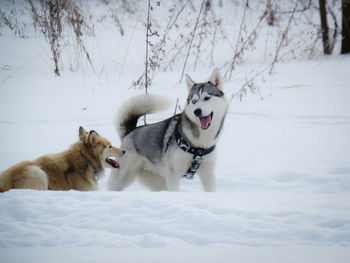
(283, 170)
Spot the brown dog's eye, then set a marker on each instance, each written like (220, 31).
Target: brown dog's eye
(110, 146)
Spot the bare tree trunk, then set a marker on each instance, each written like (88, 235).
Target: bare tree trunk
(148, 34)
(345, 44)
(324, 27)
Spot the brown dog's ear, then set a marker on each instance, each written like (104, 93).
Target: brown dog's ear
(93, 137)
(190, 83)
(83, 134)
(215, 79)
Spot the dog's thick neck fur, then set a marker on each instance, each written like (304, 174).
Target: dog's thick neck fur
(88, 152)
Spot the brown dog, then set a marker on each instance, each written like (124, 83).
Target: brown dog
(78, 168)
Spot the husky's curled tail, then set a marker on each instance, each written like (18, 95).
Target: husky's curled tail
(134, 108)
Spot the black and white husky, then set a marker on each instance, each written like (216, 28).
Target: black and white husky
(160, 154)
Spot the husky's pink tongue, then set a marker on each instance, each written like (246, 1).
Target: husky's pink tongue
(205, 121)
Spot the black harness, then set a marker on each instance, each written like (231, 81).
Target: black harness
(198, 154)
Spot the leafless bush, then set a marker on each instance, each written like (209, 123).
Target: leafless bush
(12, 20)
(63, 23)
(51, 18)
(294, 31)
(116, 10)
(245, 41)
(159, 58)
(185, 37)
(191, 36)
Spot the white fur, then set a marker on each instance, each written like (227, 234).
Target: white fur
(215, 79)
(166, 173)
(140, 105)
(35, 177)
(190, 83)
(207, 137)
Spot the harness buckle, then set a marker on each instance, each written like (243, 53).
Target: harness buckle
(183, 145)
(200, 152)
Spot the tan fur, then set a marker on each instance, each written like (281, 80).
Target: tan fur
(66, 170)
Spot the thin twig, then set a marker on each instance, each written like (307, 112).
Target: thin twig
(126, 53)
(284, 36)
(235, 94)
(148, 25)
(244, 45)
(193, 34)
(238, 38)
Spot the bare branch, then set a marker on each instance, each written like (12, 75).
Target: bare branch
(284, 36)
(193, 34)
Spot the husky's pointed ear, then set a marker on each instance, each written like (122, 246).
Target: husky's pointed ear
(190, 83)
(93, 137)
(215, 79)
(83, 134)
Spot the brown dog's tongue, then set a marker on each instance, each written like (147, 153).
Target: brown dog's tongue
(113, 163)
(205, 121)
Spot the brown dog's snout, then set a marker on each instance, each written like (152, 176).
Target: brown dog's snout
(121, 152)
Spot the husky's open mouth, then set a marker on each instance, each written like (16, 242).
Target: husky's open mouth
(206, 121)
(113, 163)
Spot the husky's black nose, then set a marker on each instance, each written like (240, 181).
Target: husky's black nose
(198, 112)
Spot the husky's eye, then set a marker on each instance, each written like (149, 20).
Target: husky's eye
(194, 101)
(206, 98)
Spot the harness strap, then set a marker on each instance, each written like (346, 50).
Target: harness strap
(198, 154)
(91, 164)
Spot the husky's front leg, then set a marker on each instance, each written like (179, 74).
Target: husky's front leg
(208, 181)
(173, 182)
(206, 174)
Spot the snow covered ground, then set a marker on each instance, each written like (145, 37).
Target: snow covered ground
(283, 171)
(283, 176)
